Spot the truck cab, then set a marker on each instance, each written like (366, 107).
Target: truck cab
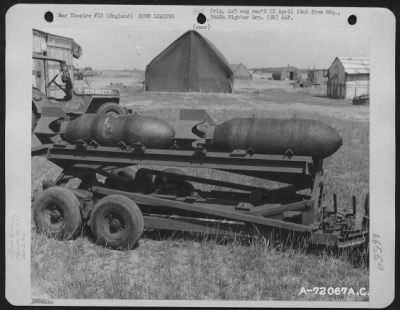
(54, 96)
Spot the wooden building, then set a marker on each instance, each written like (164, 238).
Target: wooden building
(318, 76)
(286, 73)
(348, 77)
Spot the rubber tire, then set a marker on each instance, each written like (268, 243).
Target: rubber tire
(110, 107)
(69, 205)
(128, 211)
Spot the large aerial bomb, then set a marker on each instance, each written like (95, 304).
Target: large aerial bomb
(262, 135)
(108, 130)
(277, 136)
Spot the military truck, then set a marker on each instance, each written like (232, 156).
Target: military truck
(54, 97)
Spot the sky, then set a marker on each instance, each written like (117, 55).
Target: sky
(127, 48)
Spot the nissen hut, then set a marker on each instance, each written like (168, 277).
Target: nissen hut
(189, 64)
(240, 72)
(348, 77)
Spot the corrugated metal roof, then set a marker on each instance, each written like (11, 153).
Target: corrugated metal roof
(355, 65)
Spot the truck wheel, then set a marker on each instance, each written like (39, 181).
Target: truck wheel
(116, 222)
(110, 108)
(56, 213)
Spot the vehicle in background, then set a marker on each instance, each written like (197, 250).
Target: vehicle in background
(54, 92)
(361, 100)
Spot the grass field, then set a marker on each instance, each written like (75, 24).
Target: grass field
(169, 267)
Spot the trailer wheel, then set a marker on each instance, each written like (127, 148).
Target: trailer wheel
(56, 213)
(110, 108)
(116, 222)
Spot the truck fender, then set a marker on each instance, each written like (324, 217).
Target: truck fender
(96, 102)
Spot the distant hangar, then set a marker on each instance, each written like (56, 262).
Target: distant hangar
(240, 72)
(191, 63)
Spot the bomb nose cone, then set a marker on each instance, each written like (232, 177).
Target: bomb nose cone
(150, 131)
(326, 140)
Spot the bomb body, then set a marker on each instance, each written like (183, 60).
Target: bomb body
(277, 136)
(108, 130)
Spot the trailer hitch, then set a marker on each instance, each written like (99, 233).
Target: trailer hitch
(341, 229)
(344, 221)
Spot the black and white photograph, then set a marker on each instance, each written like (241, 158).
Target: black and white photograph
(179, 160)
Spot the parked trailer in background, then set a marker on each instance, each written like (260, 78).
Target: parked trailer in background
(118, 203)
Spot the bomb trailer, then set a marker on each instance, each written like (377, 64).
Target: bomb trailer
(117, 204)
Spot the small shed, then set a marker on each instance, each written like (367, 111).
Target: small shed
(191, 63)
(54, 46)
(287, 73)
(348, 77)
(302, 75)
(240, 72)
(317, 76)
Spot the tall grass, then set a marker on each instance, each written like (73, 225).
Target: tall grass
(187, 269)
